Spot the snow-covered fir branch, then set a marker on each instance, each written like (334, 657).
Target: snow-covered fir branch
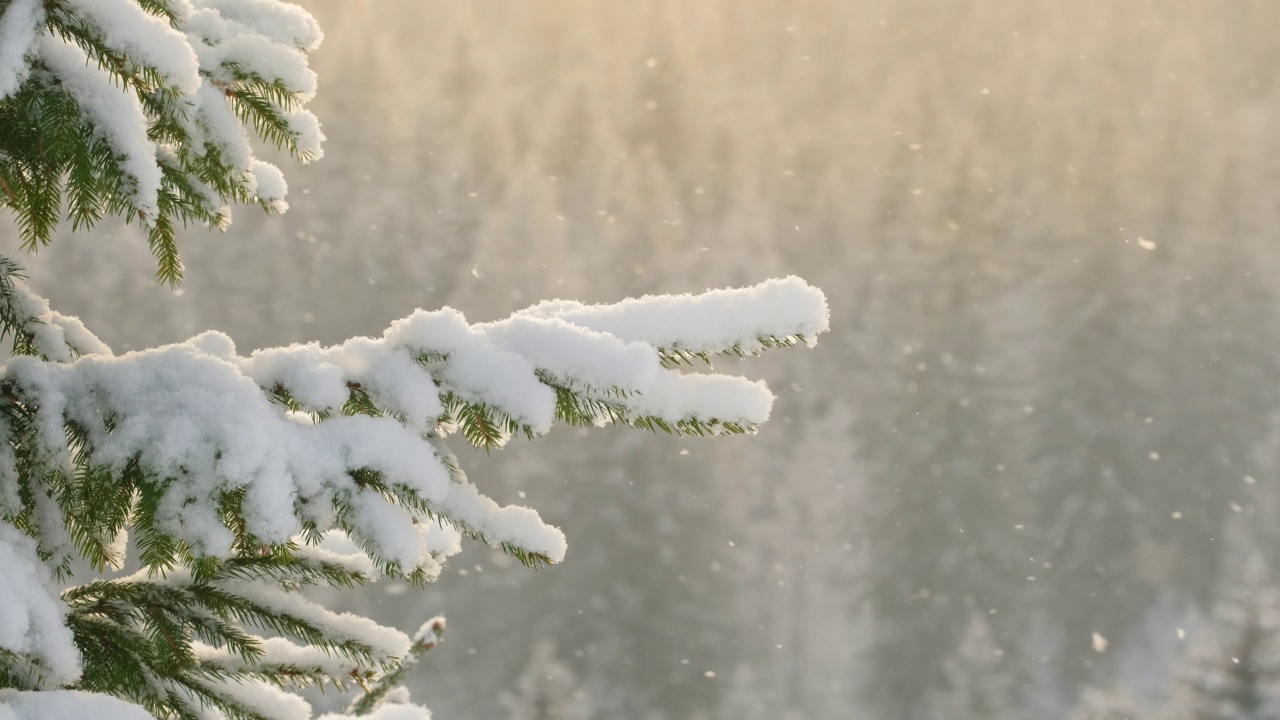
(147, 110)
(233, 470)
(236, 481)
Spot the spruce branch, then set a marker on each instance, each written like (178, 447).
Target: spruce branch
(484, 426)
(428, 637)
(13, 320)
(676, 356)
(227, 529)
(585, 407)
(56, 157)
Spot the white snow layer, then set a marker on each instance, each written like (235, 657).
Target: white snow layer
(66, 705)
(575, 354)
(269, 185)
(55, 336)
(31, 614)
(226, 45)
(710, 322)
(193, 417)
(385, 642)
(19, 24)
(478, 370)
(148, 40)
(268, 700)
(262, 699)
(116, 114)
(278, 651)
(282, 22)
(215, 124)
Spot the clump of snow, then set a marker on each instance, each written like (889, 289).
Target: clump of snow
(118, 116)
(31, 614)
(576, 354)
(226, 47)
(307, 136)
(314, 383)
(710, 322)
(65, 705)
(443, 541)
(76, 336)
(282, 22)
(269, 185)
(513, 524)
(725, 398)
(211, 122)
(392, 530)
(337, 548)
(19, 24)
(146, 39)
(386, 643)
(478, 370)
(55, 336)
(262, 698)
(217, 344)
(430, 630)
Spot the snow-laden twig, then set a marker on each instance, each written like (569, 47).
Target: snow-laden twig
(736, 321)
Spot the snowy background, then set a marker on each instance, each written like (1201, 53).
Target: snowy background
(1032, 458)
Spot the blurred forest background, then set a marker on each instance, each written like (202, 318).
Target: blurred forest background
(1033, 470)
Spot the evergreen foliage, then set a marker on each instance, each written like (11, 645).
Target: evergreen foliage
(747, 145)
(1232, 671)
(940, 457)
(1137, 456)
(547, 690)
(1110, 705)
(61, 150)
(228, 485)
(980, 686)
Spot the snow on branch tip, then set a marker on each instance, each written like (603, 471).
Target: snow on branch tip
(734, 321)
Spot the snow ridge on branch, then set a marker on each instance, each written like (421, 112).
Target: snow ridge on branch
(775, 313)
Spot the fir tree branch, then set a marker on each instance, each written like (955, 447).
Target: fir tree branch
(429, 636)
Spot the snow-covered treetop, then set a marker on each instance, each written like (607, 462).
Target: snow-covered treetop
(143, 108)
